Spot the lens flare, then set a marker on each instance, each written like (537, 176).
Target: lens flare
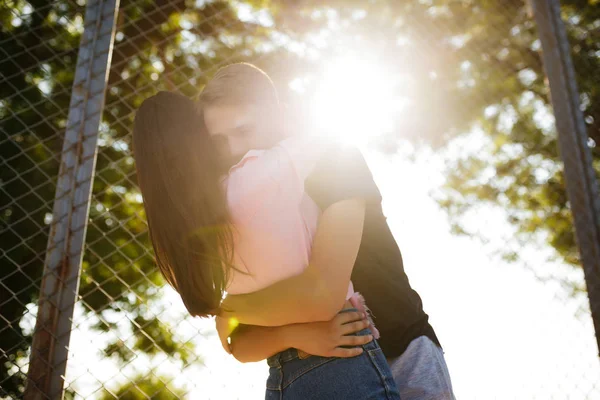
(356, 100)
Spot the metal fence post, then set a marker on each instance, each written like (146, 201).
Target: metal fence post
(581, 183)
(64, 254)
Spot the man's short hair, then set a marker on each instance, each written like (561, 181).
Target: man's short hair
(240, 84)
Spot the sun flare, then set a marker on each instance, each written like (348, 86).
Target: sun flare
(355, 100)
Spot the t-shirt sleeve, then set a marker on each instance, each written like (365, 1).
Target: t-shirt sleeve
(341, 173)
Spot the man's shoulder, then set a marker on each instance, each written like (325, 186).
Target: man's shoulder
(337, 159)
(343, 153)
(341, 173)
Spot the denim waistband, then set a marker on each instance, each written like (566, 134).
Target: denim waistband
(290, 354)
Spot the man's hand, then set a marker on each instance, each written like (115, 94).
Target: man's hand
(325, 338)
(225, 326)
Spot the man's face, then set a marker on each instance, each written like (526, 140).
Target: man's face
(237, 129)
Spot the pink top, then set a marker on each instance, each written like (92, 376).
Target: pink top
(274, 220)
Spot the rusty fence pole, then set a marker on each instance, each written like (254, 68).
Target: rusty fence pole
(60, 280)
(580, 177)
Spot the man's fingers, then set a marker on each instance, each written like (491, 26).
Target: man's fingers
(344, 318)
(355, 340)
(346, 353)
(354, 327)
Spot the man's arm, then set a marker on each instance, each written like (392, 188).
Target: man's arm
(319, 292)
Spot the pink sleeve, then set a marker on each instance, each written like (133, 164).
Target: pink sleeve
(265, 176)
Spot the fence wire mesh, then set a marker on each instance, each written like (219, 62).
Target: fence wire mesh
(39, 46)
(467, 161)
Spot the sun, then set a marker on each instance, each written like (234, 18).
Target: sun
(356, 100)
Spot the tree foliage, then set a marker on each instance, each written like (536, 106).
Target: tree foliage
(145, 387)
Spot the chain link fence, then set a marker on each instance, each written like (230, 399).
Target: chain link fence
(471, 149)
(39, 47)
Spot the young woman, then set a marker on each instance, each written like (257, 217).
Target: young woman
(250, 229)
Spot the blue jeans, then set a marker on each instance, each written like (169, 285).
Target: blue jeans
(367, 376)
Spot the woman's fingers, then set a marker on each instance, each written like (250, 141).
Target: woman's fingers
(344, 318)
(346, 353)
(355, 340)
(354, 327)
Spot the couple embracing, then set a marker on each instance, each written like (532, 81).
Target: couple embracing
(290, 227)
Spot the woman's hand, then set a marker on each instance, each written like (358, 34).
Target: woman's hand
(325, 338)
(251, 343)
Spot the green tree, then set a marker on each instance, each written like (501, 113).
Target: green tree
(518, 167)
(145, 387)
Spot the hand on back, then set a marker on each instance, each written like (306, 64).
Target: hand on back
(327, 338)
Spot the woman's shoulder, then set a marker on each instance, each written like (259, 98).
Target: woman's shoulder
(248, 184)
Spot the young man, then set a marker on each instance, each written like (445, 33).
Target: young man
(407, 339)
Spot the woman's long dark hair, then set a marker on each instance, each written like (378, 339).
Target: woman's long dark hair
(185, 204)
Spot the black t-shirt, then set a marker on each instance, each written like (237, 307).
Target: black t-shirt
(378, 273)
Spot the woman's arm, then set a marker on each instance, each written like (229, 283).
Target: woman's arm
(319, 292)
(255, 343)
